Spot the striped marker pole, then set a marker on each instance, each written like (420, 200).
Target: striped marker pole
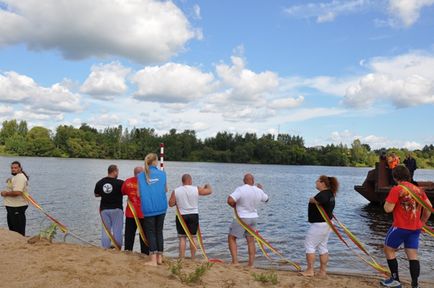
(162, 156)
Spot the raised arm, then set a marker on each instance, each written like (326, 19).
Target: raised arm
(205, 190)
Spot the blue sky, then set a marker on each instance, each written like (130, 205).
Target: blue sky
(329, 71)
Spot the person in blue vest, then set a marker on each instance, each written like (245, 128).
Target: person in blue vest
(153, 187)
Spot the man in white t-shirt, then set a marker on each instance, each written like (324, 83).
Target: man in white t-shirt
(245, 199)
(13, 198)
(186, 198)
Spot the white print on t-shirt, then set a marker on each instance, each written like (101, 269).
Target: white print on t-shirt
(107, 188)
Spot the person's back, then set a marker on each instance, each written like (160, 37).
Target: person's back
(111, 207)
(153, 192)
(187, 199)
(111, 198)
(248, 197)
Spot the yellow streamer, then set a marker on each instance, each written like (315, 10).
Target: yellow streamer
(261, 241)
(109, 234)
(138, 224)
(373, 263)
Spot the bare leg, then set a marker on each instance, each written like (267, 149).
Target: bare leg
(232, 241)
(159, 258)
(251, 248)
(192, 250)
(310, 259)
(153, 261)
(323, 260)
(389, 252)
(182, 247)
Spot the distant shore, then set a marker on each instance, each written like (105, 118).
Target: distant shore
(70, 265)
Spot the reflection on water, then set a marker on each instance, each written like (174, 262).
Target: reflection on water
(64, 187)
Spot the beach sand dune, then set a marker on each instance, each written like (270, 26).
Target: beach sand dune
(64, 265)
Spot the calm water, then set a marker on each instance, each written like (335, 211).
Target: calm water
(64, 187)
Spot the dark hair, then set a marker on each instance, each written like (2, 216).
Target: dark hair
(330, 182)
(112, 168)
(185, 178)
(19, 165)
(401, 173)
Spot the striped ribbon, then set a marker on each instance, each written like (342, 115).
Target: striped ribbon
(109, 234)
(372, 262)
(138, 224)
(264, 243)
(30, 199)
(425, 205)
(190, 236)
(61, 226)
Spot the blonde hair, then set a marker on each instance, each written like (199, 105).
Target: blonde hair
(149, 159)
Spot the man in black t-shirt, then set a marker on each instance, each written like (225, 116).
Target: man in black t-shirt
(109, 189)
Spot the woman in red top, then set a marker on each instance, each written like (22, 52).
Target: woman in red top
(408, 219)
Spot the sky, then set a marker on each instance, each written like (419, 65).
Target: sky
(329, 71)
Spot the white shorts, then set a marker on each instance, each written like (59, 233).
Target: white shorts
(317, 237)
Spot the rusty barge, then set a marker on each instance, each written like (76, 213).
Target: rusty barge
(376, 185)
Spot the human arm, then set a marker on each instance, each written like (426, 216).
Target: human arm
(388, 207)
(425, 212)
(172, 199)
(231, 202)
(16, 186)
(11, 193)
(205, 190)
(97, 190)
(392, 198)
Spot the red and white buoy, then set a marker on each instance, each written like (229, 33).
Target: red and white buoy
(162, 156)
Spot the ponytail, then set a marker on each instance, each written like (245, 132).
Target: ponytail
(149, 159)
(331, 183)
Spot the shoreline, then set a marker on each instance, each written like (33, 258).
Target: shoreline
(49, 265)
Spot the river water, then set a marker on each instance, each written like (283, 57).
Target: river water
(64, 187)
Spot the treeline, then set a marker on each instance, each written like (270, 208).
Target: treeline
(119, 143)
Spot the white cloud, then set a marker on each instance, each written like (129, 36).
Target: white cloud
(285, 103)
(106, 80)
(327, 11)
(405, 80)
(34, 115)
(402, 12)
(408, 11)
(104, 120)
(196, 11)
(16, 88)
(244, 84)
(5, 110)
(347, 137)
(303, 114)
(145, 31)
(172, 83)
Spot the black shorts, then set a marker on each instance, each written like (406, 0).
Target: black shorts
(192, 221)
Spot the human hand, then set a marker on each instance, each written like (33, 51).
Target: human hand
(3, 193)
(259, 186)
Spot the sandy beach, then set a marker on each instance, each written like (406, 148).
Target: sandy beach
(48, 265)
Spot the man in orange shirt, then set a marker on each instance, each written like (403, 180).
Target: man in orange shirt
(130, 189)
